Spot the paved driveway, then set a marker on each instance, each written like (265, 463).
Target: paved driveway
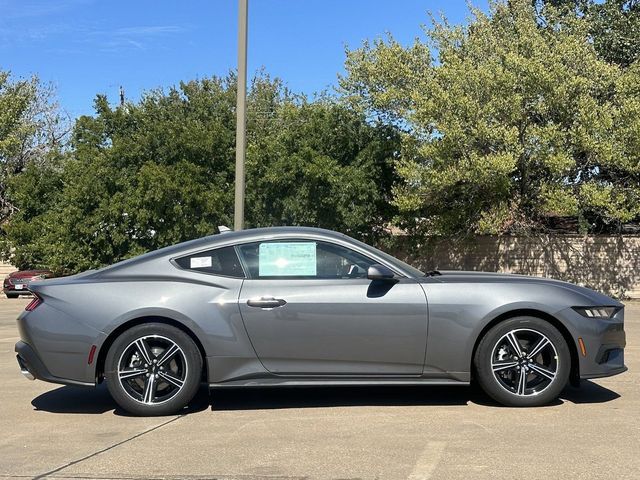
(328, 433)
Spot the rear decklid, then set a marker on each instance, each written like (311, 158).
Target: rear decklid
(38, 285)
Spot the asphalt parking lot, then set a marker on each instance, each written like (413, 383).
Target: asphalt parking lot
(52, 431)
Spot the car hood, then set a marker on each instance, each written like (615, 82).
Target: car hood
(456, 276)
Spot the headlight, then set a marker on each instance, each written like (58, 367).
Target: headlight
(597, 312)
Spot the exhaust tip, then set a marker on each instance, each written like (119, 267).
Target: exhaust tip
(24, 369)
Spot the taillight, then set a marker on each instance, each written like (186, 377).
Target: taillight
(33, 303)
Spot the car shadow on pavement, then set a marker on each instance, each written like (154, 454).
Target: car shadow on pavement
(316, 397)
(84, 400)
(588, 392)
(68, 399)
(283, 397)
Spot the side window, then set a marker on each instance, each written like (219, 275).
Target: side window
(302, 259)
(220, 261)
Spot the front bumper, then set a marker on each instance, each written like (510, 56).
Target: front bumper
(609, 358)
(32, 367)
(604, 341)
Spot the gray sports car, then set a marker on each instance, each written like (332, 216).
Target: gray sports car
(304, 306)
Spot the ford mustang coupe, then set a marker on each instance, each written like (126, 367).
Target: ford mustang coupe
(303, 306)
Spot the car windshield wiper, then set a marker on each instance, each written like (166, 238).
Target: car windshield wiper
(432, 273)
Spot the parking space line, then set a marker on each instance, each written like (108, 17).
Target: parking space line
(428, 461)
(133, 437)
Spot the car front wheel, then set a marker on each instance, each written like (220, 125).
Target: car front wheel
(523, 362)
(153, 369)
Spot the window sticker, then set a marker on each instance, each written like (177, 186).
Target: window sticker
(200, 262)
(291, 259)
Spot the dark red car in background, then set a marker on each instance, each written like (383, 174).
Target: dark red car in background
(17, 283)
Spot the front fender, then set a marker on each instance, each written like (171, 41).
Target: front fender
(508, 310)
(459, 312)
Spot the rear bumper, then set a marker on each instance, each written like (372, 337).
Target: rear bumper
(33, 368)
(56, 345)
(11, 290)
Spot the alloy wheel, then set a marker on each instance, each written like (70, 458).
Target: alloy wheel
(152, 369)
(524, 362)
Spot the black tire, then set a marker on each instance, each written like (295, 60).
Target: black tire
(158, 386)
(545, 374)
(12, 295)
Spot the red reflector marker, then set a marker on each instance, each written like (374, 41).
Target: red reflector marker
(33, 303)
(92, 352)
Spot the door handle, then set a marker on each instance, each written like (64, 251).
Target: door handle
(266, 302)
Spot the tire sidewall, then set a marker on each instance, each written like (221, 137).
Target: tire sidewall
(192, 380)
(490, 384)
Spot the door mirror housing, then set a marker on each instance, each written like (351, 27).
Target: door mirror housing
(379, 272)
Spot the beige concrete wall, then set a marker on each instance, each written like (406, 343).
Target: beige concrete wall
(6, 269)
(610, 264)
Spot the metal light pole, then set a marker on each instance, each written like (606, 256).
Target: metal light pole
(241, 114)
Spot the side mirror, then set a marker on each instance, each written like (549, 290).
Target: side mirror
(379, 272)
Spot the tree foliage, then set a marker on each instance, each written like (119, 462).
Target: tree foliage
(144, 175)
(509, 121)
(616, 30)
(320, 164)
(31, 129)
(614, 26)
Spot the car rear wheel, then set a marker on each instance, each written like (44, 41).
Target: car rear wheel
(153, 369)
(523, 362)
(12, 295)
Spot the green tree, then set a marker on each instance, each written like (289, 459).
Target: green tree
(320, 164)
(138, 177)
(508, 122)
(616, 30)
(148, 174)
(31, 129)
(27, 233)
(614, 26)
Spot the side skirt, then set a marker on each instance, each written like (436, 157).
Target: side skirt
(334, 382)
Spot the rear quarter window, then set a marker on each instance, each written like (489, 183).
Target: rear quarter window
(219, 261)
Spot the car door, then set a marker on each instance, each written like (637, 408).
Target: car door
(310, 310)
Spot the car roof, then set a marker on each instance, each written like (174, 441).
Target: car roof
(225, 238)
(268, 231)
(250, 234)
